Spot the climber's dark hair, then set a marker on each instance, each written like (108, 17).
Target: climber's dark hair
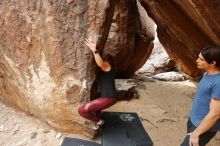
(108, 57)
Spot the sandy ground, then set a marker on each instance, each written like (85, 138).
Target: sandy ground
(163, 106)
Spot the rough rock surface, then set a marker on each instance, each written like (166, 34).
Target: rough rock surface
(185, 27)
(46, 71)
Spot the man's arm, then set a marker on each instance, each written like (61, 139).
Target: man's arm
(207, 123)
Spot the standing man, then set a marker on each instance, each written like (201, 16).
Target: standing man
(204, 119)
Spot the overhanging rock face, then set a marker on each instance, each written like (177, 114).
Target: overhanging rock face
(46, 71)
(184, 27)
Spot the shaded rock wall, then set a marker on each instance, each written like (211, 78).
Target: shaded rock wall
(185, 27)
(132, 33)
(46, 71)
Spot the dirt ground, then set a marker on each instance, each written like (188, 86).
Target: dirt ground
(163, 106)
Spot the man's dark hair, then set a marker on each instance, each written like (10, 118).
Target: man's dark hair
(211, 54)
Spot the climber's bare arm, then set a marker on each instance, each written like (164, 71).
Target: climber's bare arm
(104, 65)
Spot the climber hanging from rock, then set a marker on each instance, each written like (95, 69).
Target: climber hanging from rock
(106, 81)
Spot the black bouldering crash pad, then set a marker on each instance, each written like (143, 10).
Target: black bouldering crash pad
(77, 142)
(124, 129)
(120, 129)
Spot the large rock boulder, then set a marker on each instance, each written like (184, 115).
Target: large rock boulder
(46, 71)
(184, 27)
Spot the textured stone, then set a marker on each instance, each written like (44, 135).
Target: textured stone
(138, 39)
(43, 57)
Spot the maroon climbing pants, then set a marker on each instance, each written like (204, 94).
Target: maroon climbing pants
(91, 110)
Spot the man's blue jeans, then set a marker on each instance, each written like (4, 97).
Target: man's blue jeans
(203, 139)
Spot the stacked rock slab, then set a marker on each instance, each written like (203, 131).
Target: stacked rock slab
(185, 27)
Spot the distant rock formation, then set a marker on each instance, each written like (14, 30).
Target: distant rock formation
(185, 27)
